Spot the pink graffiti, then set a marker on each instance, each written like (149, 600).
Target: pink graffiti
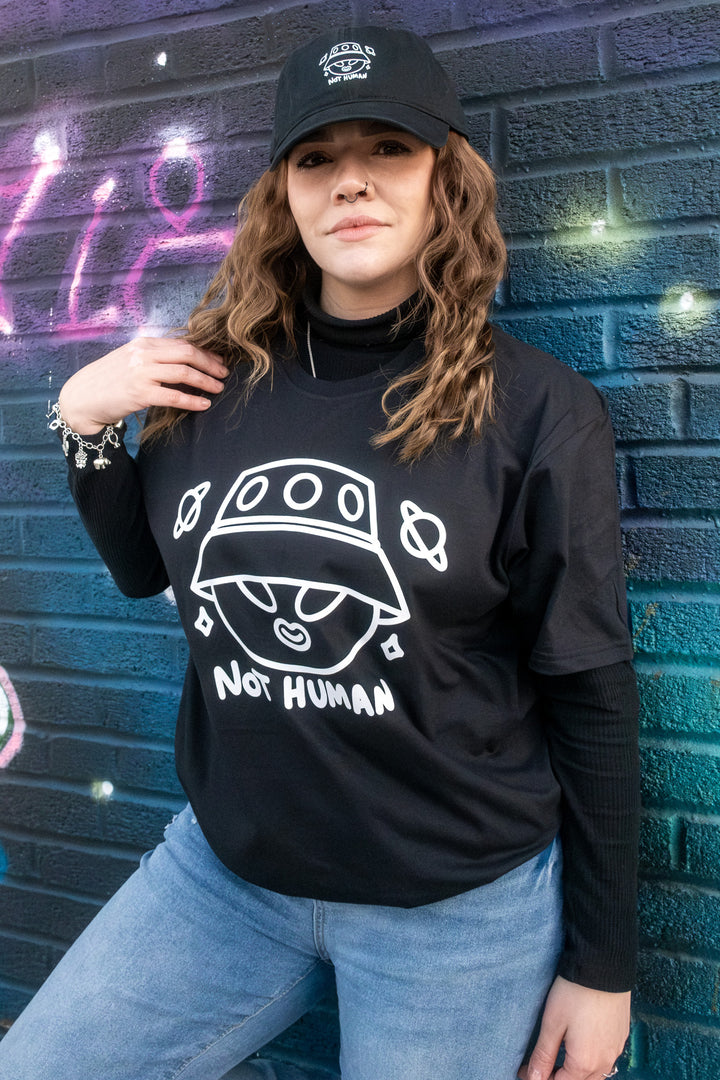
(217, 240)
(213, 241)
(12, 725)
(177, 148)
(48, 165)
(105, 318)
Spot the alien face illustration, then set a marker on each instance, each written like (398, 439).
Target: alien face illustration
(345, 58)
(294, 567)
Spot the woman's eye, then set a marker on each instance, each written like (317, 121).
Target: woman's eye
(311, 159)
(392, 147)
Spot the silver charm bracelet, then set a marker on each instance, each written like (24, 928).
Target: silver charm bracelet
(110, 436)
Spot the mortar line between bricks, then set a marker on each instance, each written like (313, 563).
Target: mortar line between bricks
(48, 941)
(101, 736)
(572, 19)
(48, 890)
(703, 742)
(121, 796)
(138, 31)
(89, 680)
(528, 97)
(40, 838)
(15, 984)
(700, 1027)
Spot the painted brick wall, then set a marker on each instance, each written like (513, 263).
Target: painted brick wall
(128, 130)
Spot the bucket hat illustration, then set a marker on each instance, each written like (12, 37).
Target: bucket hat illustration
(294, 565)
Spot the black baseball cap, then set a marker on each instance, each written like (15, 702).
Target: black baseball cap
(364, 73)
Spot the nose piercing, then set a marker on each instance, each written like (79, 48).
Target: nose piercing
(357, 194)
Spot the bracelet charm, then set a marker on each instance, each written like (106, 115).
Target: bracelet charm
(110, 435)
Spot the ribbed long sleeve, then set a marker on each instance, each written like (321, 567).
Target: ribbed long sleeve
(591, 719)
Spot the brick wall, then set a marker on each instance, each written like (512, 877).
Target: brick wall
(128, 131)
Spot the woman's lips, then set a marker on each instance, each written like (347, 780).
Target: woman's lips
(356, 228)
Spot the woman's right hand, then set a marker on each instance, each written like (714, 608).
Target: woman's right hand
(143, 372)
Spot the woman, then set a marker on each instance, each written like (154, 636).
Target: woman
(391, 531)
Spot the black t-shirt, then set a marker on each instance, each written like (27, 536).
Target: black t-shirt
(361, 719)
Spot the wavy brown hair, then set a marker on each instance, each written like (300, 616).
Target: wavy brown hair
(461, 260)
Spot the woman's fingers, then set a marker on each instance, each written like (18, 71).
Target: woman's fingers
(141, 373)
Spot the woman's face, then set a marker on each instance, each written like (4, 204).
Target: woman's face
(365, 249)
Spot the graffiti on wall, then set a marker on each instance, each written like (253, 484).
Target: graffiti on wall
(12, 725)
(175, 240)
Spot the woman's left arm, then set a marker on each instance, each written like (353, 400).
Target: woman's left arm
(591, 723)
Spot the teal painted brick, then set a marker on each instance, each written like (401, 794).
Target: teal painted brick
(134, 652)
(679, 703)
(705, 411)
(656, 837)
(687, 777)
(148, 769)
(680, 917)
(87, 591)
(44, 913)
(660, 190)
(604, 267)
(88, 761)
(25, 424)
(27, 962)
(15, 642)
(76, 869)
(668, 627)
(701, 849)
(81, 817)
(642, 412)
(686, 986)
(10, 535)
(62, 536)
(139, 825)
(686, 1053)
(575, 339)
(618, 122)
(45, 810)
(675, 482)
(675, 553)
(33, 482)
(682, 340)
(523, 63)
(563, 201)
(147, 712)
(668, 39)
(33, 761)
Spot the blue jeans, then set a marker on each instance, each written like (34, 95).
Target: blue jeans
(188, 970)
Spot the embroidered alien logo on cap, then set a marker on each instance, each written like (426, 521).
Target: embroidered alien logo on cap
(347, 59)
(294, 567)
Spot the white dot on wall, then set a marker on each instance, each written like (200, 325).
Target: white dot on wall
(686, 302)
(598, 227)
(161, 59)
(46, 147)
(102, 789)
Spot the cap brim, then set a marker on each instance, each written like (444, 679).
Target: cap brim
(428, 128)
